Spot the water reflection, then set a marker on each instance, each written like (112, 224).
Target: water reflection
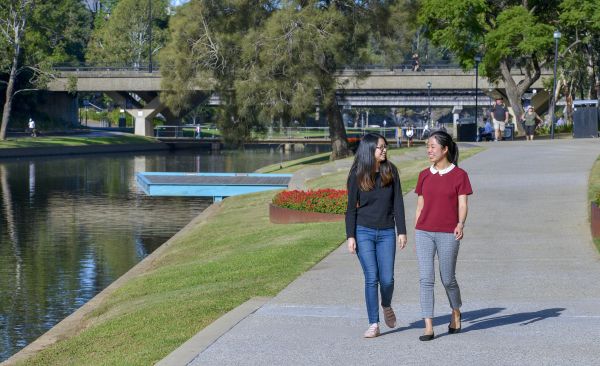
(71, 226)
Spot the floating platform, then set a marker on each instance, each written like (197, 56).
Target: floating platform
(215, 185)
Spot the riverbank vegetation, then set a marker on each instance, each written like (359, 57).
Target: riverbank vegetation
(56, 141)
(203, 274)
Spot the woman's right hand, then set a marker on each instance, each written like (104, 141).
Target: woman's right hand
(352, 245)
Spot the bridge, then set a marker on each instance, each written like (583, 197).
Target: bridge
(399, 87)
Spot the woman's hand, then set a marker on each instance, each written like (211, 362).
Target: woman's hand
(402, 241)
(458, 231)
(352, 245)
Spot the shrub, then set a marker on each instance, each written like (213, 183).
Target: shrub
(323, 200)
(597, 198)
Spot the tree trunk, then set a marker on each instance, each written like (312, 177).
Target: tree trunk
(512, 92)
(17, 27)
(9, 93)
(592, 74)
(337, 132)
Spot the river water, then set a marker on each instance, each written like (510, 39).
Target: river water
(69, 226)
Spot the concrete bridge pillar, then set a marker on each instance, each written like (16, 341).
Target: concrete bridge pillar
(455, 116)
(143, 117)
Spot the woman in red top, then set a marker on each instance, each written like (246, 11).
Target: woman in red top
(441, 213)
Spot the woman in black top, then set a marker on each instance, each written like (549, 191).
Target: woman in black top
(374, 224)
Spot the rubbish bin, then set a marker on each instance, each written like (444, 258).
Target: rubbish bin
(466, 131)
(586, 121)
(122, 122)
(509, 132)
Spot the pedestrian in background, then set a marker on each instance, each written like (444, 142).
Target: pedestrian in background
(375, 224)
(410, 133)
(499, 117)
(442, 191)
(31, 127)
(529, 119)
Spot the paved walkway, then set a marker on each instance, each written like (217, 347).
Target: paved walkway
(529, 276)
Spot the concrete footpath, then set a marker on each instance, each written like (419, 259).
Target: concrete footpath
(528, 271)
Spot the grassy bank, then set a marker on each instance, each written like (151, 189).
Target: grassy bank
(54, 141)
(594, 190)
(210, 269)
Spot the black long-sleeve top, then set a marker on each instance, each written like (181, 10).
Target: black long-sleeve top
(379, 208)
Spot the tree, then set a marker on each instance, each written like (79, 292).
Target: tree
(13, 20)
(274, 60)
(204, 53)
(508, 34)
(33, 36)
(580, 20)
(124, 36)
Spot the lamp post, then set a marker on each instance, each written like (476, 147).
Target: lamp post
(429, 102)
(552, 117)
(477, 61)
(150, 36)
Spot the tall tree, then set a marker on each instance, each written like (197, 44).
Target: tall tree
(580, 21)
(508, 34)
(204, 53)
(129, 33)
(33, 36)
(14, 15)
(275, 60)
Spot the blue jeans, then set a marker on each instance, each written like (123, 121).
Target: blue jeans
(376, 250)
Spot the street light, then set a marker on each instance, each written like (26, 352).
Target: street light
(552, 117)
(150, 36)
(477, 61)
(429, 102)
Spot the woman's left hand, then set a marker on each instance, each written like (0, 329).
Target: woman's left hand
(458, 231)
(402, 241)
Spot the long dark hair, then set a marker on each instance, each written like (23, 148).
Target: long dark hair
(364, 164)
(445, 140)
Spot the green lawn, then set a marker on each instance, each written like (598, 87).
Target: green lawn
(295, 165)
(236, 255)
(53, 141)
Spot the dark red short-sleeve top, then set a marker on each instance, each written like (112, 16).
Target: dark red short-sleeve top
(440, 191)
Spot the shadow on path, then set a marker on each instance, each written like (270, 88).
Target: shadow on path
(480, 319)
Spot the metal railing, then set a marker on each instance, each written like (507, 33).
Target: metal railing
(292, 134)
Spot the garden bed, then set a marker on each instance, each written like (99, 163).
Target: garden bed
(322, 205)
(595, 219)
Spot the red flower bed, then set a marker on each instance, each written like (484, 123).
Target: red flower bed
(332, 201)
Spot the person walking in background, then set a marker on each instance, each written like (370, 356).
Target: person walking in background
(499, 117)
(31, 127)
(410, 133)
(442, 191)
(398, 137)
(416, 64)
(530, 118)
(375, 224)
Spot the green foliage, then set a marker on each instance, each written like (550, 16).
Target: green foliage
(518, 33)
(123, 38)
(58, 32)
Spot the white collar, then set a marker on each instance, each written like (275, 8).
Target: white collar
(443, 171)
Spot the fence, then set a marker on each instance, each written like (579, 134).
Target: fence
(285, 133)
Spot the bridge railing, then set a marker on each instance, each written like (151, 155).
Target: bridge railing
(73, 67)
(292, 134)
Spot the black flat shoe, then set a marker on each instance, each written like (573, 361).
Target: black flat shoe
(455, 330)
(426, 337)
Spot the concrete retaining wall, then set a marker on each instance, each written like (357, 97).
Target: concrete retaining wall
(69, 150)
